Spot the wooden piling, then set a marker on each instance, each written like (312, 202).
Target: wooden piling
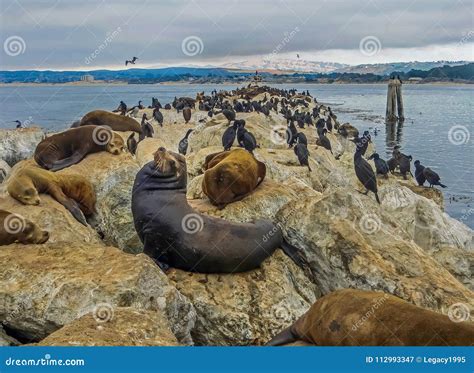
(394, 101)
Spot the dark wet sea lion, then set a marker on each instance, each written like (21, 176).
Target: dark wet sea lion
(114, 121)
(351, 317)
(15, 228)
(176, 235)
(70, 147)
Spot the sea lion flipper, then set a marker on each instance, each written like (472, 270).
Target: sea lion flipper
(66, 162)
(262, 171)
(71, 205)
(284, 337)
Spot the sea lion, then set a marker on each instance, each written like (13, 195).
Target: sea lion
(70, 147)
(351, 317)
(231, 175)
(107, 119)
(176, 235)
(15, 228)
(74, 192)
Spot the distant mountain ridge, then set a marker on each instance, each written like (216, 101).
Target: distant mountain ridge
(387, 68)
(460, 73)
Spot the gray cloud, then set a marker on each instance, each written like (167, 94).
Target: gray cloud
(61, 34)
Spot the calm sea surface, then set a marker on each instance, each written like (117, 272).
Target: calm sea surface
(437, 129)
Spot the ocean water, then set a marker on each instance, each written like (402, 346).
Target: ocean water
(437, 129)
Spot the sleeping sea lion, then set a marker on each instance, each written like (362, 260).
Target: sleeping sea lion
(74, 192)
(15, 228)
(352, 317)
(176, 235)
(108, 119)
(231, 175)
(70, 147)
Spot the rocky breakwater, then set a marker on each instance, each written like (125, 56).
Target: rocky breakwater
(91, 286)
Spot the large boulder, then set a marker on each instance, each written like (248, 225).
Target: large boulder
(246, 308)
(19, 144)
(45, 287)
(112, 177)
(348, 240)
(125, 327)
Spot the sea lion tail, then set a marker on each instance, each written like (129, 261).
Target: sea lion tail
(284, 337)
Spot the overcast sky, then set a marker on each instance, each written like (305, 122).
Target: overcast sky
(64, 34)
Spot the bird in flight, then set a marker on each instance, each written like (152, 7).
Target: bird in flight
(297, 55)
(132, 61)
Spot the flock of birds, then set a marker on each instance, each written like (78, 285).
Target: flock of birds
(289, 103)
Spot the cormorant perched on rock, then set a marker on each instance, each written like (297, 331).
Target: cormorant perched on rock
(228, 136)
(320, 126)
(324, 141)
(229, 114)
(122, 108)
(381, 167)
(392, 164)
(362, 143)
(403, 162)
(187, 114)
(183, 143)
(210, 113)
(168, 106)
(158, 116)
(301, 138)
(147, 129)
(134, 111)
(291, 134)
(18, 124)
(365, 174)
(329, 124)
(302, 153)
(132, 143)
(431, 177)
(246, 139)
(420, 178)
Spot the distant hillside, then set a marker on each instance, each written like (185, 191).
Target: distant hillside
(130, 75)
(387, 68)
(462, 73)
(281, 64)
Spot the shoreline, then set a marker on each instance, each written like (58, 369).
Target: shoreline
(121, 83)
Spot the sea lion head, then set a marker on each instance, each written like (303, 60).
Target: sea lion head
(169, 163)
(116, 144)
(31, 233)
(23, 190)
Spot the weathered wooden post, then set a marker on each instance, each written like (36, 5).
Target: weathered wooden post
(401, 116)
(394, 101)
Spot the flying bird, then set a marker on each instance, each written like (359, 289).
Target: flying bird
(132, 61)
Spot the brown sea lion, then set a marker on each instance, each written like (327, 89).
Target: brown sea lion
(231, 175)
(108, 119)
(351, 317)
(74, 192)
(15, 228)
(176, 235)
(70, 147)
